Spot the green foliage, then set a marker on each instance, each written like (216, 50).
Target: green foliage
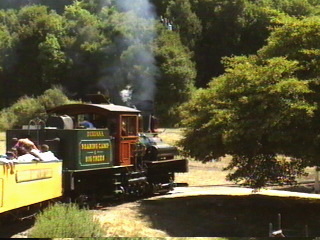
(228, 28)
(25, 61)
(263, 106)
(258, 170)
(124, 238)
(93, 44)
(46, 48)
(177, 79)
(7, 119)
(28, 108)
(185, 21)
(83, 45)
(52, 58)
(297, 40)
(255, 111)
(65, 221)
(296, 8)
(53, 97)
(217, 28)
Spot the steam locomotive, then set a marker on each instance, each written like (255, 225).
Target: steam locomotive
(108, 159)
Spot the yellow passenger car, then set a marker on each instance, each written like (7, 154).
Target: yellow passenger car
(23, 184)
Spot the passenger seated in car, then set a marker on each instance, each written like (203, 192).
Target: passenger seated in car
(26, 143)
(12, 154)
(27, 151)
(44, 148)
(9, 157)
(28, 154)
(45, 154)
(24, 155)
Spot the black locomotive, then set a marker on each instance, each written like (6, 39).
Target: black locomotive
(102, 153)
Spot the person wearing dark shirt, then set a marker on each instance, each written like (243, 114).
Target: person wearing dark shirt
(86, 124)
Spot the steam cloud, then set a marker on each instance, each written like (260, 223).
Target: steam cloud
(135, 69)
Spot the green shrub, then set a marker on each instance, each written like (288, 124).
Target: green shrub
(7, 119)
(20, 113)
(53, 97)
(65, 221)
(27, 108)
(133, 238)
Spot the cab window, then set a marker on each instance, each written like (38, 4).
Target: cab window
(129, 126)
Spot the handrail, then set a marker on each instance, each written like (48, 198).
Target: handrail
(36, 122)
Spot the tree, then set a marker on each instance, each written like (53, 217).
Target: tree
(295, 8)
(221, 24)
(176, 81)
(83, 46)
(185, 21)
(161, 6)
(257, 110)
(53, 60)
(6, 44)
(262, 107)
(26, 29)
(46, 48)
(57, 5)
(297, 40)
(228, 28)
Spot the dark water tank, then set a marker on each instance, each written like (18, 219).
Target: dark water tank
(60, 122)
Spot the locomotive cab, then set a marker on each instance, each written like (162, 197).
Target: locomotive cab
(117, 125)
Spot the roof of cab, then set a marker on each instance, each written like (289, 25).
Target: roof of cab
(80, 108)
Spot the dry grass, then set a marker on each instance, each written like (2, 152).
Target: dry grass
(202, 174)
(198, 172)
(170, 135)
(125, 221)
(2, 142)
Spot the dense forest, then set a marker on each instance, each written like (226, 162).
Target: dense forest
(90, 46)
(159, 50)
(241, 76)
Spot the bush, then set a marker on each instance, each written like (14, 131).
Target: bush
(7, 119)
(53, 97)
(27, 108)
(65, 221)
